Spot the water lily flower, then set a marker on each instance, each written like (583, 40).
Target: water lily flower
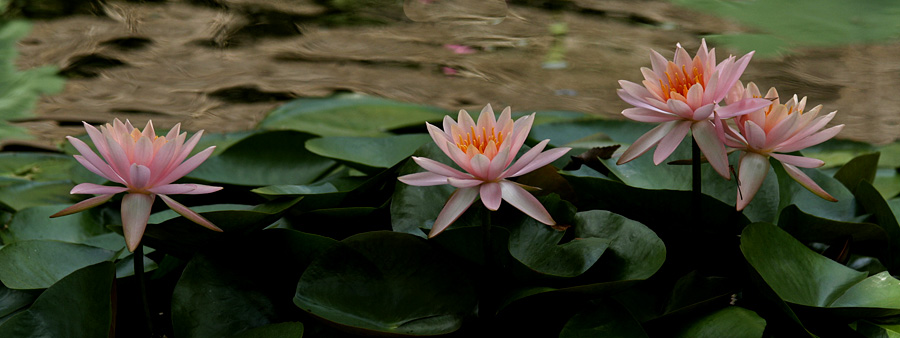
(769, 132)
(485, 151)
(682, 95)
(146, 165)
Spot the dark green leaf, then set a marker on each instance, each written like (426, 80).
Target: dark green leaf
(635, 252)
(860, 168)
(731, 321)
(873, 203)
(414, 208)
(77, 306)
(35, 223)
(368, 153)
(35, 193)
(537, 246)
(808, 228)
(268, 158)
(37, 264)
(794, 193)
(281, 330)
(603, 319)
(386, 282)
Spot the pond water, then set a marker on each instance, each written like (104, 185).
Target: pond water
(221, 65)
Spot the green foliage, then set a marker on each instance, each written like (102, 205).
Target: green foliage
(309, 198)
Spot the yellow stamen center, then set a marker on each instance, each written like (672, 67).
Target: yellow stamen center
(479, 141)
(680, 81)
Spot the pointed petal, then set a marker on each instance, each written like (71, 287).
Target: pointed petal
(499, 162)
(799, 161)
(648, 115)
(187, 166)
(646, 141)
(423, 179)
(812, 140)
(440, 138)
(711, 147)
(638, 102)
(188, 213)
(491, 195)
(680, 108)
(742, 107)
(541, 160)
(143, 151)
(704, 112)
(671, 141)
(459, 201)
(438, 167)
(807, 182)
(521, 128)
(464, 182)
(187, 189)
(135, 213)
(465, 121)
(525, 159)
(756, 136)
(486, 119)
(97, 165)
(524, 201)
(83, 205)
(96, 189)
(480, 167)
(752, 171)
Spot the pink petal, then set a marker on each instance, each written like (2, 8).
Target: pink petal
(143, 151)
(97, 165)
(491, 195)
(98, 139)
(646, 141)
(751, 173)
(810, 141)
(541, 160)
(120, 163)
(188, 213)
(486, 119)
(140, 176)
(731, 75)
(83, 205)
(148, 130)
(423, 179)
(648, 115)
(680, 108)
(525, 159)
(135, 213)
(459, 201)
(799, 161)
(704, 112)
(782, 131)
(695, 96)
(521, 128)
(438, 167)
(638, 102)
(440, 138)
(96, 189)
(173, 133)
(161, 161)
(742, 107)
(806, 182)
(464, 182)
(466, 123)
(658, 62)
(186, 149)
(499, 162)
(671, 141)
(480, 167)
(524, 201)
(459, 157)
(756, 136)
(187, 166)
(188, 189)
(505, 119)
(711, 147)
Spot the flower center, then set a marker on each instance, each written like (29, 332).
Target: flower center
(680, 81)
(480, 141)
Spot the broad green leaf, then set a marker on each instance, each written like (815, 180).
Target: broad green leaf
(537, 246)
(732, 321)
(871, 330)
(36, 193)
(35, 223)
(269, 158)
(572, 132)
(245, 285)
(603, 319)
(792, 192)
(860, 168)
(37, 264)
(386, 282)
(78, 305)
(878, 291)
(635, 252)
(873, 203)
(796, 273)
(808, 228)
(368, 153)
(349, 115)
(12, 301)
(16, 166)
(414, 208)
(284, 330)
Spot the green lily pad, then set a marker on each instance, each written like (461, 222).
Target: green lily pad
(78, 305)
(794, 193)
(245, 288)
(800, 276)
(36, 193)
(289, 329)
(386, 282)
(349, 115)
(860, 168)
(808, 228)
(12, 301)
(368, 153)
(37, 264)
(268, 158)
(15, 166)
(35, 223)
(732, 321)
(537, 246)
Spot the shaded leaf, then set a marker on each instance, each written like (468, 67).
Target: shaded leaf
(732, 321)
(368, 153)
(603, 319)
(860, 168)
(37, 264)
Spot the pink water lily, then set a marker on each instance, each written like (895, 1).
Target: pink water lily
(682, 95)
(779, 128)
(146, 165)
(485, 150)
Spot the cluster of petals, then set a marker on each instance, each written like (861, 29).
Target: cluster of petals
(683, 95)
(146, 165)
(772, 131)
(485, 151)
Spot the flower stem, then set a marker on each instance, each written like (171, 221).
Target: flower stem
(695, 181)
(486, 307)
(142, 287)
